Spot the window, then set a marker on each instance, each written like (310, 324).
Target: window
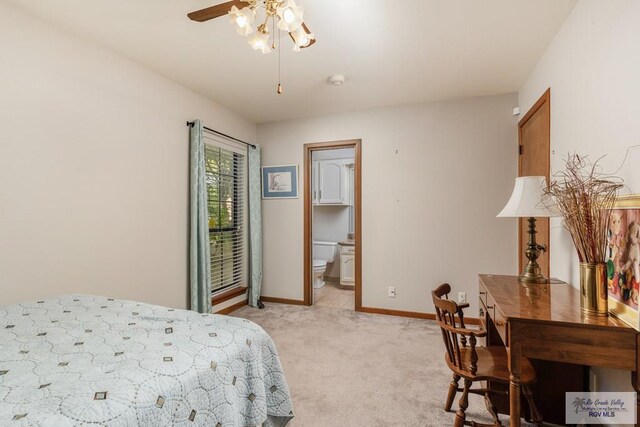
(225, 167)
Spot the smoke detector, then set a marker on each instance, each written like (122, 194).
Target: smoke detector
(336, 80)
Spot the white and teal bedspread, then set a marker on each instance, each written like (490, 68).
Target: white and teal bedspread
(86, 360)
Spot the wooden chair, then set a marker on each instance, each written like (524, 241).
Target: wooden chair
(472, 363)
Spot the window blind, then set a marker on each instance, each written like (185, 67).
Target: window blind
(226, 190)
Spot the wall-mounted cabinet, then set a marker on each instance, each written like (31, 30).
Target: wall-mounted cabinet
(331, 182)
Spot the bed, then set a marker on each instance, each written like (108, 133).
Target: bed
(88, 360)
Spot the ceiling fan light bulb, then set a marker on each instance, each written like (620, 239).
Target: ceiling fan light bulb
(301, 38)
(242, 19)
(290, 15)
(260, 41)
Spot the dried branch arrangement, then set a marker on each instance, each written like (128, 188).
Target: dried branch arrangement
(584, 197)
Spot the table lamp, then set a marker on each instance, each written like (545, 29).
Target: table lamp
(526, 202)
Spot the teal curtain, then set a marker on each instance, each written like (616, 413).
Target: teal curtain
(199, 250)
(255, 227)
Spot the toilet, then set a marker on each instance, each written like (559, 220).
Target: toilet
(323, 253)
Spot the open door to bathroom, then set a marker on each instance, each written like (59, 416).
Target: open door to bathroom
(313, 197)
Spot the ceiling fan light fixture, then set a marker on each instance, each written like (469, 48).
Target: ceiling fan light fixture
(290, 16)
(243, 20)
(286, 14)
(260, 41)
(301, 38)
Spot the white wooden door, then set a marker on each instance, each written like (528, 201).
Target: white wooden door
(331, 182)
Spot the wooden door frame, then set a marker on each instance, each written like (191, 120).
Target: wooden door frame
(544, 99)
(308, 212)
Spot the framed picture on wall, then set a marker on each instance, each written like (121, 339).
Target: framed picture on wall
(623, 258)
(280, 182)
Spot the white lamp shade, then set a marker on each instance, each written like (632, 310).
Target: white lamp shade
(526, 199)
(301, 38)
(242, 19)
(290, 16)
(260, 41)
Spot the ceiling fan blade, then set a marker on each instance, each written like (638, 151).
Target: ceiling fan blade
(215, 11)
(306, 29)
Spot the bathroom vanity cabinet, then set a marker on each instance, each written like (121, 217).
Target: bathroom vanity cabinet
(347, 265)
(331, 182)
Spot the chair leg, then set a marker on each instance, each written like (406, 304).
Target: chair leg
(492, 409)
(536, 417)
(464, 404)
(453, 389)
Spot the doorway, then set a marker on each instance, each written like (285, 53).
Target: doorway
(534, 136)
(333, 185)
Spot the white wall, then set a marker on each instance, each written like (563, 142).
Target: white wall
(93, 168)
(331, 223)
(434, 177)
(592, 67)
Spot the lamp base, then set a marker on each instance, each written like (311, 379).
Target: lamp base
(532, 278)
(532, 272)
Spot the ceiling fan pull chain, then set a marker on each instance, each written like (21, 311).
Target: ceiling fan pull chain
(279, 67)
(273, 30)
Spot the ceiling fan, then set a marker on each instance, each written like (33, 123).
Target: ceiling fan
(283, 14)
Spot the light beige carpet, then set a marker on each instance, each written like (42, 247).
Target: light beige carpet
(354, 369)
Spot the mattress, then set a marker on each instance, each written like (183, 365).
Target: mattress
(88, 360)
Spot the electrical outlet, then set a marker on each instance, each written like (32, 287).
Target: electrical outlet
(391, 293)
(462, 297)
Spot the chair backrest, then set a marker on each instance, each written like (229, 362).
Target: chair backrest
(454, 333)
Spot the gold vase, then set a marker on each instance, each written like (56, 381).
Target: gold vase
(593, 289)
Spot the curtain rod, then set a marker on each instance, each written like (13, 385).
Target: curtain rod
(190, 124)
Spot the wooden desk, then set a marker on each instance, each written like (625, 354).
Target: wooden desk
(545, 322)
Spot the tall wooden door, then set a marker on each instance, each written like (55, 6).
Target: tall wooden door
(534, 139)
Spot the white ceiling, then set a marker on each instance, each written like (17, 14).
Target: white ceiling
(392, 52)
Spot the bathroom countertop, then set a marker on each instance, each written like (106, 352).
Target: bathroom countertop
(347, 243)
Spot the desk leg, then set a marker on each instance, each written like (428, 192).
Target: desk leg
(514, 354)
(514, 401)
